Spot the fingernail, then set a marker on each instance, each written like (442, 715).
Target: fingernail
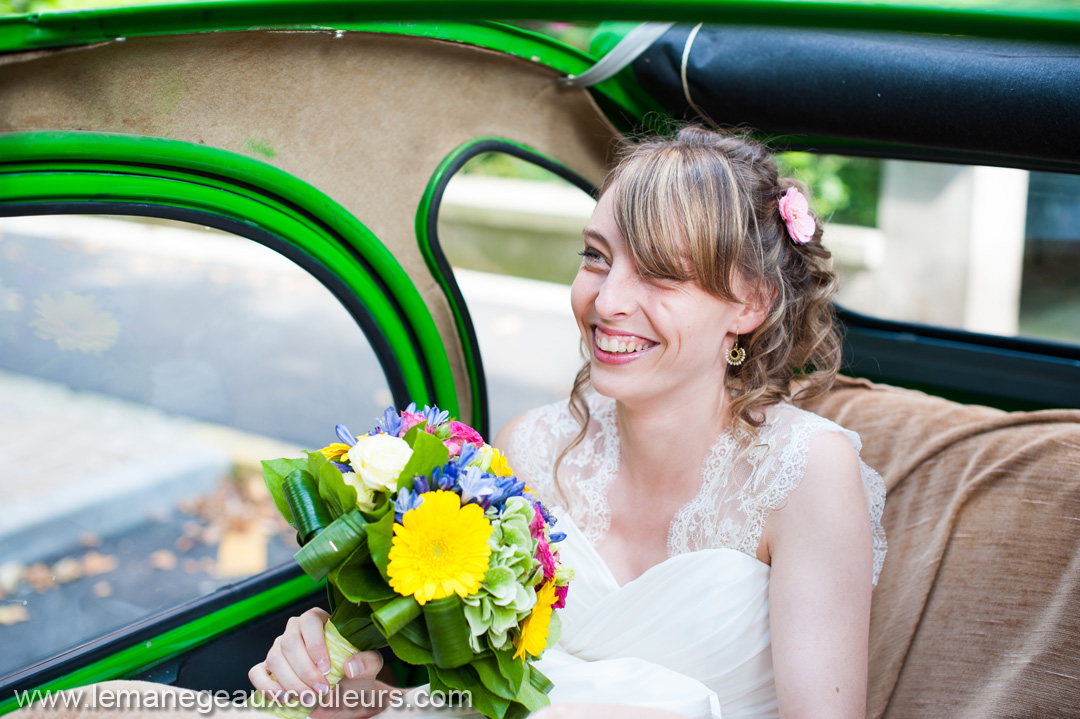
(354, 668)
(323, 665)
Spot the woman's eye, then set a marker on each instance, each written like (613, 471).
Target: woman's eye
(590, 256)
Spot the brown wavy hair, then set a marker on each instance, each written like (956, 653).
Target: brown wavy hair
(704, 207)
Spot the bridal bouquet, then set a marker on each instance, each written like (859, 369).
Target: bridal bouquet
(430, 546)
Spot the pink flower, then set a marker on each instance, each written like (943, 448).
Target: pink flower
(560, 596)
(796, 213)
(460, 433)
(536, 527)
(543, 553)
(408, 421)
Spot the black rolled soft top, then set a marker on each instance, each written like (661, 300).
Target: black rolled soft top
(1010, 101)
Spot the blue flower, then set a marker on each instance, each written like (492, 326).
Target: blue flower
(446, 476)
(469, 452)
(548, 516)
(345, 435)
(406, 502)
(390, 422)
(505, 488)
(476, 484)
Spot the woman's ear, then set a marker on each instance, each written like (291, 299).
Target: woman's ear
(757, 304)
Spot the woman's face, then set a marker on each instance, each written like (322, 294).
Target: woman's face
(648, 339)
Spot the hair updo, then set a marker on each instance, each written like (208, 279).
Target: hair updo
(704, 207)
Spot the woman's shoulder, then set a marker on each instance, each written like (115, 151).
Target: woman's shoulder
(788, 422)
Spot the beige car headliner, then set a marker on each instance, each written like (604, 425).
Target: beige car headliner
(365, 118)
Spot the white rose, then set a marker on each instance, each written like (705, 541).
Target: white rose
(378, 460)
(365, 498)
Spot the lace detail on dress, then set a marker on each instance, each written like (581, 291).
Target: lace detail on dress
(739, 487)
(584, 474)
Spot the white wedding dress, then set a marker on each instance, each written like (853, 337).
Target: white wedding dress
(691, 634)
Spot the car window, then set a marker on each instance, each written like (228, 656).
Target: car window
(146, 367)
(511, 230)
(987, 249)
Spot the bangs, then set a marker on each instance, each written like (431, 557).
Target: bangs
(680, 224)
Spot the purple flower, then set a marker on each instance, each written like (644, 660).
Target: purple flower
(406, 502)
(390, 422)
(345, 435)
(475, 484)
(506, 487)
(468, 453)
(446, 477)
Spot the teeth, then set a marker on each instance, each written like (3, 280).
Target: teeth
(611, 344)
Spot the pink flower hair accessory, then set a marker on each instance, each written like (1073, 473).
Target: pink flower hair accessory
(795, 211)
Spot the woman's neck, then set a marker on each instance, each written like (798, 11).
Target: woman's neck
(669, 436)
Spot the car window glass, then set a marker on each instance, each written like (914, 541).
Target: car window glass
(512, 232)
(146, 367)
(987, 249)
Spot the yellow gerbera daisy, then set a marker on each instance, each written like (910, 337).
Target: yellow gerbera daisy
(336, 451)
(534, 630)
(439, 549)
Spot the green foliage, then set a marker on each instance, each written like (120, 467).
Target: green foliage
(842, 189)
(274, 473)
(339, 497)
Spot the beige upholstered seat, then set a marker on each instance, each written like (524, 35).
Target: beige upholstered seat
(977, 611)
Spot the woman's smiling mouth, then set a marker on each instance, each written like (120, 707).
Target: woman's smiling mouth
(618, 348)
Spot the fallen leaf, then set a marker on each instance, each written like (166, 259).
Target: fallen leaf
(40, 577)
(10, 576)
(67, 570)
(163, 559)
(89, 539)
(241, 553)
(95, 563)
(13, 614)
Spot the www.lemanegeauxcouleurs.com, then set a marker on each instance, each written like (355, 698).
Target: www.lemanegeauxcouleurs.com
(204, 702)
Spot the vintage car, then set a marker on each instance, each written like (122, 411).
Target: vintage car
(227, 226)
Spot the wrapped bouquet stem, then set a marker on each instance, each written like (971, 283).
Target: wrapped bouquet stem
(429, 545)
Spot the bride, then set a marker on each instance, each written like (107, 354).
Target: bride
(726, 543)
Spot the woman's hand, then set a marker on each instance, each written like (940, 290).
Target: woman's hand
(296, 667)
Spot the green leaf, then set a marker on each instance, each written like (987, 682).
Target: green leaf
(428, 453)
(334, 545)
(362, 582)
(466, 679)
(532, 697)
(488, 669)
(512, 669)
(308, 510)
(405, 648)
(414, 431)
(380, 538)
(395, 614)
(448, 630)
(274, 473)
(339, 496)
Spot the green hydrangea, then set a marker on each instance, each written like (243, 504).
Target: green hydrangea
(506, 594)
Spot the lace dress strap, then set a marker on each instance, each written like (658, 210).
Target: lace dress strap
(741, 482)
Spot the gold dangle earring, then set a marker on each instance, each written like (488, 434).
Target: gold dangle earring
(736, 354)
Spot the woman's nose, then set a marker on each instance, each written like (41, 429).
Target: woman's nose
(618, 294)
